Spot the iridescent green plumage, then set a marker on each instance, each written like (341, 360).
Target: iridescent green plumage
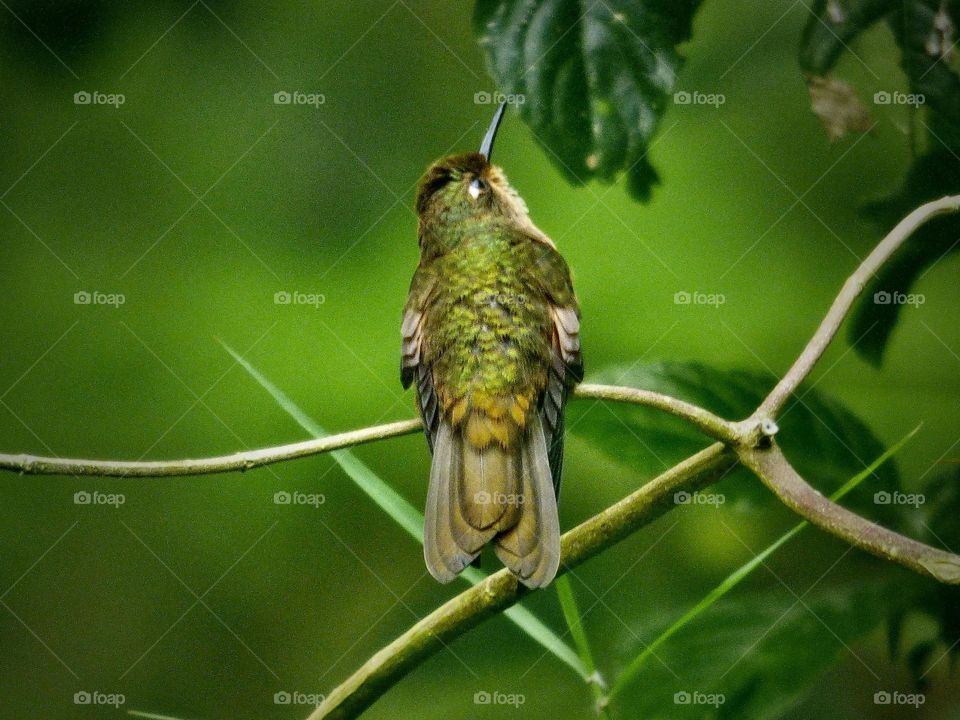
(491, 337)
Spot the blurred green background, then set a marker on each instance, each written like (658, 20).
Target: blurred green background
(199, 198)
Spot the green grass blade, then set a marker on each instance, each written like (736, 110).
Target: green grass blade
(571, 613)
(630, 672)
(537, 630)
(407, 516)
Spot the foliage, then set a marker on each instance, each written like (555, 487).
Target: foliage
(593, 77)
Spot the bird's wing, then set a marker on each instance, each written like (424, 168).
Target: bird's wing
(412, 367)
(551, 273)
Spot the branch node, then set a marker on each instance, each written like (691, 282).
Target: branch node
(769, 427)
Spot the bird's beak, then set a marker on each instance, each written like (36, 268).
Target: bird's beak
(487, 145)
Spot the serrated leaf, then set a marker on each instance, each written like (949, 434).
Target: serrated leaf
(594, 77)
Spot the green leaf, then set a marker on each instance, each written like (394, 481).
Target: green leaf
(938, 525)
(631, 671)
(826, 442)
(571, 613)
(407, 516)
(763, 651)
(831, 28)
(932, 176)
(594, 77)
(926, 32)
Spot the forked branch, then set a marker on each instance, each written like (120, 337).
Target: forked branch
(749, 442)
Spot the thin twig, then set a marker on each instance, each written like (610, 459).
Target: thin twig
(848, 295)
(710, 424)
(34, 465)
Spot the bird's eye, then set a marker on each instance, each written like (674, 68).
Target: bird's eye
(477, 188)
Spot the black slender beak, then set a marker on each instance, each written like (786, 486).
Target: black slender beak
(487, 145)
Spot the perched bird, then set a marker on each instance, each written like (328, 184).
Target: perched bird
(491, 338)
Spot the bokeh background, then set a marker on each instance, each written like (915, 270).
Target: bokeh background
(199, 198)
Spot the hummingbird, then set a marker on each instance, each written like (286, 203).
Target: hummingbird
(491, 339)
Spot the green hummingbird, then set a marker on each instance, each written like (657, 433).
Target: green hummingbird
(491, 337)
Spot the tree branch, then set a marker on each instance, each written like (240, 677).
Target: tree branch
(848, 295)
(751, 442)
(778, 474)
(709, 423)
(34, 465)
(501, 590)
